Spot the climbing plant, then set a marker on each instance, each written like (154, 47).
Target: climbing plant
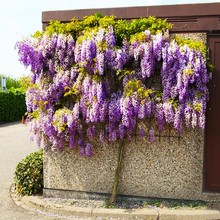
(101, 77)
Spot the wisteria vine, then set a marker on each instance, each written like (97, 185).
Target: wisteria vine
(90, 87)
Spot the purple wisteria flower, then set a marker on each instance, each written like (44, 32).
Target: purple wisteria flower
(152, 137)
(142, 132)
(88, 150)
(90, 88)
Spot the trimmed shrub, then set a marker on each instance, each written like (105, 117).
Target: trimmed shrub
(12, 106)
(28, 177)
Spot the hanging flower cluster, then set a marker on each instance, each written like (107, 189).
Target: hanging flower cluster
(89, 87)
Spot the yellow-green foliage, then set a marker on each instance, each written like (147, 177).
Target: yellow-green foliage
(122, 28)
(136, 87)
(196, 45)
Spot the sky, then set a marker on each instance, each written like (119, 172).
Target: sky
(21, 18)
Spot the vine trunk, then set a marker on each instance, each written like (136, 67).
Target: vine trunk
(112, 198)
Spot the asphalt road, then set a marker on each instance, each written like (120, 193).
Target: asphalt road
(15, 144)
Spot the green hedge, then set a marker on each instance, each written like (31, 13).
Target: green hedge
(12, 106)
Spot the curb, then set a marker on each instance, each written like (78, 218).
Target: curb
(37, 204)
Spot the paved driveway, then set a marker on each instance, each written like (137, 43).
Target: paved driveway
(14, 146)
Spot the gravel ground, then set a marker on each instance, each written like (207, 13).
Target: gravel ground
(129, 204)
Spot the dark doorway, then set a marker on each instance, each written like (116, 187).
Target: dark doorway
(212, 134)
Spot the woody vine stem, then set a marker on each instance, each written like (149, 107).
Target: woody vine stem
(112, 198)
